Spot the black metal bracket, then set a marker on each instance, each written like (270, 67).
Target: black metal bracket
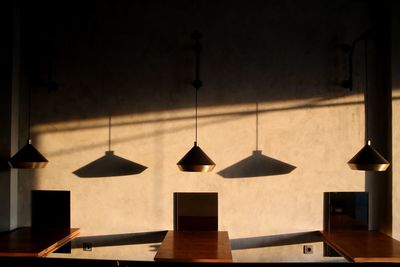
(349, 49)
(348, 83)
(197, 83)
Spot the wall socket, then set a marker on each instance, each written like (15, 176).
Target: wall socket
(308, 249)
(87, 246)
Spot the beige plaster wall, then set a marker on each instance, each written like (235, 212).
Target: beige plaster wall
(134, 61)
(248, 207)
(395, 118)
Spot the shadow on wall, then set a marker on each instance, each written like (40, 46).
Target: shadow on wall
(256, 165)
(120, 239)
(275, 240)
(154, 66)
(109, 165)
(4, 166)
(236, 244)
(319, 103)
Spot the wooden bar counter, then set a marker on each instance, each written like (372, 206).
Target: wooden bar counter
(34, 242)
(363, 246)
(195, 246)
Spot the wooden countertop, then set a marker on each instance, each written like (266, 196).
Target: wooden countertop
(364, 246)
(195, 246)
(34, 242)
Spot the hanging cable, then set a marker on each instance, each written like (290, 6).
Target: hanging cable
(196, 119)
(29, 113)
(256, 125)
(109, 132)
(197, 82)
(366, 90)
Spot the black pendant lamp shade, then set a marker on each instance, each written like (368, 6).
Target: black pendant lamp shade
(195, 160)
(28, 157)
(368, 159)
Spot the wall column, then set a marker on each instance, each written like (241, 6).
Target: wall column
(379, 184)
(395, 73)
(9, 116)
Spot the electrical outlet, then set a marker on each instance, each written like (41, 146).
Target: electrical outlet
(87, 246)
(308, 249)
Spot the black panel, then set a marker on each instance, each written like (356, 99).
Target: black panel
(196, 211)
(344, 211)
(51, 208)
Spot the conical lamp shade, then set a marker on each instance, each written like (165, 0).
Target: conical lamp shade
(196, 161)
(28, 158)
(368, 159)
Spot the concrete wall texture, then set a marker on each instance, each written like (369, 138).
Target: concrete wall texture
(133, 61)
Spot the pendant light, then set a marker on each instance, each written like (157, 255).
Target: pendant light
(368, 158)
(196, 160)
(28, 157)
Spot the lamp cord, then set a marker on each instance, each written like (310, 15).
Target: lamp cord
(196, 119)
(256, 125)
(197, 82)
(29, 113)
(366, 89)
(109, 132)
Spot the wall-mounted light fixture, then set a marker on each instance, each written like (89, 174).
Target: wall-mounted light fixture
(28, 157)
(368, 158)
(196, 160)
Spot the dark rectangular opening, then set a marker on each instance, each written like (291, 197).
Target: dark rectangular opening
(195, 211)
(344, 211)
(51, 209)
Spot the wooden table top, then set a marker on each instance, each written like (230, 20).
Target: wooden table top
(364, 246)
(195, 246)
(33, 242)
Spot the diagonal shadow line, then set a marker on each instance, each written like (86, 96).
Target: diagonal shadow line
(232, 115)
(120, 239)
(276, 240)
(180, 118)
(236, 244)
(78, 149)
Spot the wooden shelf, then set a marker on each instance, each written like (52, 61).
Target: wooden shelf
(363, 246)
(195, 246)
(34, 242)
